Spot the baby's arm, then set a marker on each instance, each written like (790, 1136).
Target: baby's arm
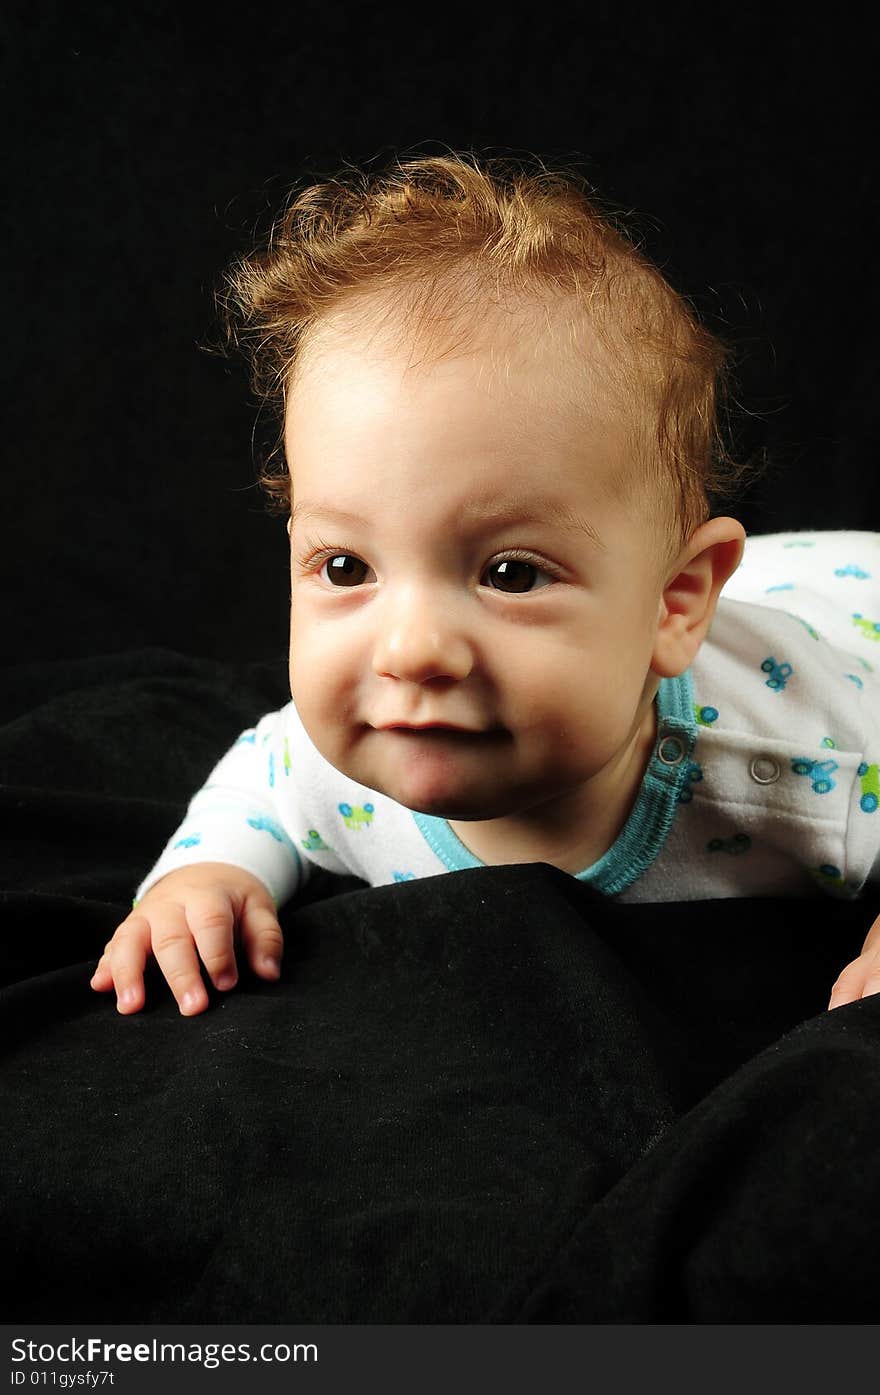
(861, 978)
(192, 914)
(218, 881)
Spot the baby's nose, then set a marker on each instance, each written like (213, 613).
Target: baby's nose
(419, 639)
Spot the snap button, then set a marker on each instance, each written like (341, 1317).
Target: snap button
(764, 770)
(671, 750)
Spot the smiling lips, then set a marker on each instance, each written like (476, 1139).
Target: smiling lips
(427, 726)
(439, 729)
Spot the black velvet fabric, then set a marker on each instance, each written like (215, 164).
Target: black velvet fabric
(486, 1097)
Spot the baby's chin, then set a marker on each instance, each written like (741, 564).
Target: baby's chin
(438, 792)
(442, 801)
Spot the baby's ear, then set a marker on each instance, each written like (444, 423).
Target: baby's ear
(690, 595)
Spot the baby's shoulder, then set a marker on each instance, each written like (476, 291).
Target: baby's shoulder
(826, 585)
(791, 651)
(832, 574)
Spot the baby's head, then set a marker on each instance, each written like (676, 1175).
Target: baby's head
(500, 433)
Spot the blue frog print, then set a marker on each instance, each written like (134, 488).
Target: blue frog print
(313, 842)
(265, 825)
(869, 628)
(192, 841)
(779, 674)
(870, 778)
(357, 816)
(819, 771)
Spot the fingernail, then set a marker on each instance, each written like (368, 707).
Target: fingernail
(227, 980)
(270, 965)
(127, 998)
(191, 1002)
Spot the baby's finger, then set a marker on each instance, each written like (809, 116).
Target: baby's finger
(261, 936)
(102, 979)
(211, 918)
(849, 985)
(175, 952)
(122, 964)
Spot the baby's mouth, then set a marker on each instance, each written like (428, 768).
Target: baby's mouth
(443, 731)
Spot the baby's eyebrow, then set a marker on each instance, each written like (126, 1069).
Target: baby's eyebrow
(481, 515)
(534, 508)
(303, 510)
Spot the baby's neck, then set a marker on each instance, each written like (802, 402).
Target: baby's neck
(572, 832)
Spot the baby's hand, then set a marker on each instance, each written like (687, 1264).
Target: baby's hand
(861, 978)
(189, 915)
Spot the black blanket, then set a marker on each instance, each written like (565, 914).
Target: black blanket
(486, 1097)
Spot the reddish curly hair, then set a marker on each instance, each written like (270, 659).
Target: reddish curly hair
(424, 241)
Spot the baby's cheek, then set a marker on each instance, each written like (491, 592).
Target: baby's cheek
(310, 682)
(325, 690)
(313, 653)
(581, 715)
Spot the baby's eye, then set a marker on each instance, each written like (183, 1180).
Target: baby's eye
(512, 575)
(345, 570)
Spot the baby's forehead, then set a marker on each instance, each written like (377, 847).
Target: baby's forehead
(534, 347)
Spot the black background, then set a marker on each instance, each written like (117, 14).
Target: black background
(146, 145)
(501, 1099)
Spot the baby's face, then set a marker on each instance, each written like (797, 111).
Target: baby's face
(472, 609)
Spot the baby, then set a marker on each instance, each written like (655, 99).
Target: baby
(508, 641)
